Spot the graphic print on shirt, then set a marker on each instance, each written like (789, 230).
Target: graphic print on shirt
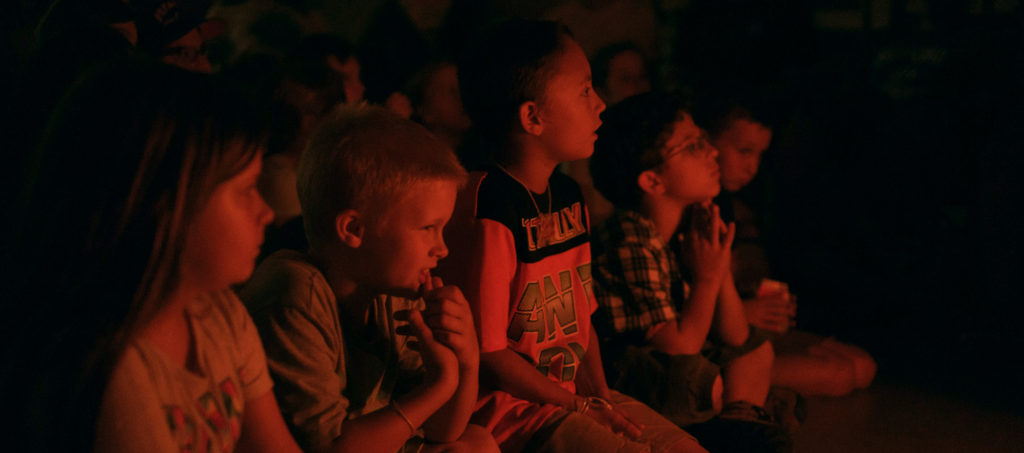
(547, 311)
(222, 415)
(555, 228)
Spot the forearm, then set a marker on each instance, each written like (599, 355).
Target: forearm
(448, 423)
(384, 430)
(513, 374)
(590, 379)
(731, 325)
(687, 334)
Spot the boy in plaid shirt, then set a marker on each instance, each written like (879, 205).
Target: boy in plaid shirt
(672, 325)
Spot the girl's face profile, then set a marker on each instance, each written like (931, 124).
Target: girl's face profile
(224, 240)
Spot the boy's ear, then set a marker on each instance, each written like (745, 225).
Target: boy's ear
(650, 182)
(529, 118)
(350, 227)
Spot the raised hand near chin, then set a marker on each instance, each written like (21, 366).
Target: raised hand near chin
(439, 360)
(450, 319)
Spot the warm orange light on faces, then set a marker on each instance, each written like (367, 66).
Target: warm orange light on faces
(400, 248)
(224, 241)
(740, 147)
(690, 172)
(571, 109)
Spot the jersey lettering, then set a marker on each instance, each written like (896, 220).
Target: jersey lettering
(539, 312)
(554, 228)
(570, 358)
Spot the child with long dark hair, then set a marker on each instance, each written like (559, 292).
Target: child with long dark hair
(139, 212)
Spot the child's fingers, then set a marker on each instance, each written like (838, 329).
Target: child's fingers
(715, 232)
(427, 285)
(730, 235)
(402, 315)
(419, 327)
(445, 321)
(627, 426)
(437, 282)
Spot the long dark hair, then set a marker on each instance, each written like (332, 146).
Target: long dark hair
(127, 161)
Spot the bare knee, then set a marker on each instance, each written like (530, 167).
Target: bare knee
(841, 376)
(864, 366)
(865, 369)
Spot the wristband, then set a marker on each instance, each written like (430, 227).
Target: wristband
(394, 407)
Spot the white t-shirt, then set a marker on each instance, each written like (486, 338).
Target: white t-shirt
(152, 404)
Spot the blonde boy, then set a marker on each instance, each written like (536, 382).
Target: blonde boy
(367, 350)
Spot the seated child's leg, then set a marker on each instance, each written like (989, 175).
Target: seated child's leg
(814, 372)
(864, 365)
(568, 432)
(659, 432)
(813, 365)
(748, 377)
(475, 439)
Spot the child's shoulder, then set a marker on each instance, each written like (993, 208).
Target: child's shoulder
(285, 277)
(494, 194)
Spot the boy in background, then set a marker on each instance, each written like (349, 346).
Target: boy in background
(675, 333)
(367, 350)
(524, 256)
(809, 363)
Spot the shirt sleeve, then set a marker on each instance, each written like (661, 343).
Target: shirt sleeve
(304, 351)
(489, 282)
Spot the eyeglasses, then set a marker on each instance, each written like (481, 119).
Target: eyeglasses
(699, 146)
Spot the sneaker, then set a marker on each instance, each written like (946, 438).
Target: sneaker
(742, 427)
(787, 408)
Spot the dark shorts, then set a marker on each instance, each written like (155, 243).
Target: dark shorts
(678, 386)
(722, 354)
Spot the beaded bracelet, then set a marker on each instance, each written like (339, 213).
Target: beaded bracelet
(394, 407)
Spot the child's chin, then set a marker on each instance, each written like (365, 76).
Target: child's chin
(405, 292)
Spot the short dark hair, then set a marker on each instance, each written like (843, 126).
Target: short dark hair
(629, 142)
(507, 65)
(599, 62)
(717, 105)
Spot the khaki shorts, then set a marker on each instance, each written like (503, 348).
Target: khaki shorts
(567, 432)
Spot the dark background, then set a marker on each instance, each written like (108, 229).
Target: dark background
(890, 194)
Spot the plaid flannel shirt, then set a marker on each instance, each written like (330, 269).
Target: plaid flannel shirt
(637, 279)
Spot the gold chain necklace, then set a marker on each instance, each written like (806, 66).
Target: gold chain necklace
(529, 192)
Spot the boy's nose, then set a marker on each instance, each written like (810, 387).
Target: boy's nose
(441, 250)
(266, 214)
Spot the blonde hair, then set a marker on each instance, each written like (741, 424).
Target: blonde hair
(365, 158)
